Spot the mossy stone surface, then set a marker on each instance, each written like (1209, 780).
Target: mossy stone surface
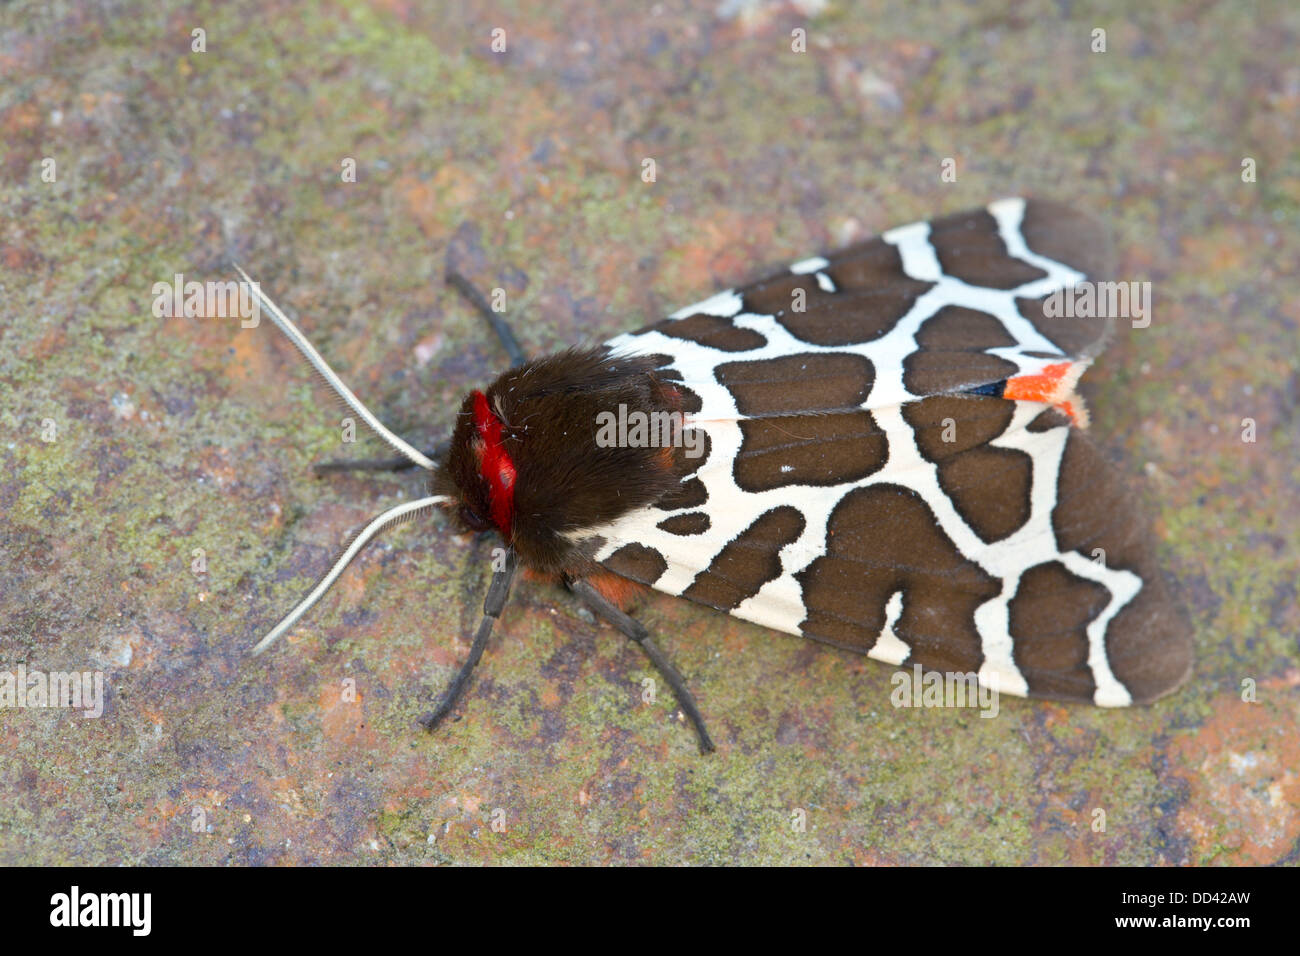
(185, 442)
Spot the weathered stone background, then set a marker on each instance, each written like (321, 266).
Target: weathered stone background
(173, 435)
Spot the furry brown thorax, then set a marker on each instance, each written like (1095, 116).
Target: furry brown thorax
(546, 457)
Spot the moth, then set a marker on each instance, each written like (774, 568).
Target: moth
(882, 450)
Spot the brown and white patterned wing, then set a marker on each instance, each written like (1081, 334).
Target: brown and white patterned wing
(874, 491)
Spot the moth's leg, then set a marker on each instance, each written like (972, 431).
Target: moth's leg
(376, 464)
(493, 604)
(494, 319)
(633, 629)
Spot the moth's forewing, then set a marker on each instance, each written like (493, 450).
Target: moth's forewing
(865, 482)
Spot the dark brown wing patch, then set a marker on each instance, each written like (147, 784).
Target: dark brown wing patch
(713, 331)
(801, 429)
(691, 523)
(869, 292)
(988, 486)
(808, 450)
(881, 540)
(969, 248)
(689, 494)
(803, 382)
(1068, 236)
(1148, 643)
(1075, 336)
(876, 267)
(951, 354)
(1048, 620)
(1060, 233)
(748, 562)
(638, 562)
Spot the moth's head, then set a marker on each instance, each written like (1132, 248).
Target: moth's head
(478, 471)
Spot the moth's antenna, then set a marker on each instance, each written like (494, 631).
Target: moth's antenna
(402, 512)
(493, 604)
(331, 379)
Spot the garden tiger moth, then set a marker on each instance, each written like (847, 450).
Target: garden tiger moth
(881, 450)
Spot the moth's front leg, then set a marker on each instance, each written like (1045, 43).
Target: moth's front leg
(493, 605)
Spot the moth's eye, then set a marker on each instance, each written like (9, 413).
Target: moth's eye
(473, 519)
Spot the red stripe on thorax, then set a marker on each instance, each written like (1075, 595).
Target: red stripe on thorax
(495, 466)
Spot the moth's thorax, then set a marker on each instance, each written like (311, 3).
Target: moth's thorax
(532, 456)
